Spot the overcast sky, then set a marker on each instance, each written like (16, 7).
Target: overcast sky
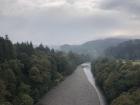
(57, 22)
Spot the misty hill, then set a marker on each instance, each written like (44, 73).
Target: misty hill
(93, 48)
(126, 50)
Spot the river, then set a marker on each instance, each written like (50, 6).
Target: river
(87, 69)
(77, 89)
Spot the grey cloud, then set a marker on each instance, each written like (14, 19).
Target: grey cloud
(65, 30)
(131, 7)
(66, 24)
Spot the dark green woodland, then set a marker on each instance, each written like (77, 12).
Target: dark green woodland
(119, 81)
(27, 72)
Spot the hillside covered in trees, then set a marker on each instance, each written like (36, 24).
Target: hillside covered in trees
(126, 50)
(119, 81)
(93, 48)
(27, 73)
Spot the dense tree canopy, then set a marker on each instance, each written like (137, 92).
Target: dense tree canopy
(119, 80)
(126, 50)
(27, 73)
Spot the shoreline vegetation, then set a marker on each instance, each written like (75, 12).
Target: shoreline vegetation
(27, 73)
(118, 73)
(119, 81)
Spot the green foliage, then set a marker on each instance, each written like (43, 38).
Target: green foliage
(3, 91)
(27, 73)
(26, 100)
(126, 50)
(129, 98)
(5, 103)
(34, 75)
(7, 50)
(24, 88)
(116, 77)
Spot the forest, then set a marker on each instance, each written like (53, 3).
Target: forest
(28, 72)
(118, 74)
(119, 81)
(129, 50)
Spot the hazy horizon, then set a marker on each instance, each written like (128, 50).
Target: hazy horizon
(58, 22)
(57, 46)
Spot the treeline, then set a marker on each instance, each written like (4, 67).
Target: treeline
(119, 80)
(27, 73)
(126, 50)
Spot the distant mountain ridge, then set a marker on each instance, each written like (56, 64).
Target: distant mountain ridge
(93, 48)
(126, 50)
